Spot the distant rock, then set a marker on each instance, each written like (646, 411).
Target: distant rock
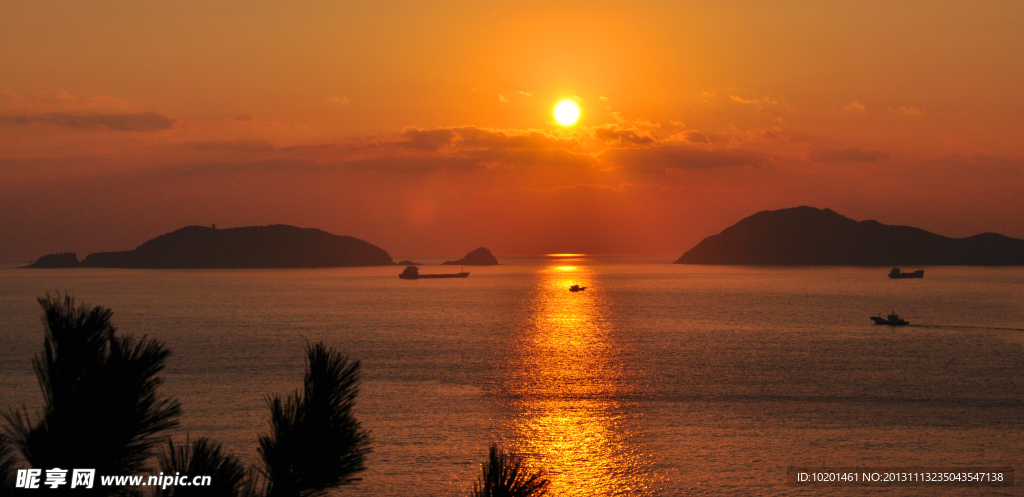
(61, 260)
(277, 246)
(814, 237)
(478, 257)
(409, 263)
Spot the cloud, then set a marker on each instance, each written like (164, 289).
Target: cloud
(612, 133)
(502, 99)
(695, 136)
(11, 95)
(243, 117)
(417, 164)
(620, 187)
(339, 100)
(635, 122)
(910, 111)
(741, 100)
(427, 139)
(831, 156)
(668, 157)
(508, 158)
(708, 138)
(473, 149)
(61, 101)
(525, 93)
(137, 121)
(855, 106)
(472, 137)
(243, 145)
(603, 98)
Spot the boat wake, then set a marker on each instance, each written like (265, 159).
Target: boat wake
(964, 327)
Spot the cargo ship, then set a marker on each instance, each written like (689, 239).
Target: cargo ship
(896, 273)
(413, 273)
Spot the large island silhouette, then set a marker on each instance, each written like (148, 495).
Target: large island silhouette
(815, 237)
(276, 246)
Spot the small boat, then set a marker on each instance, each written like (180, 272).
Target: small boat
(896, 273)
(891, 320)
(413, 273)
(577, 288)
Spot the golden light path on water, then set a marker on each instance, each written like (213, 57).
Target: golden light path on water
(568, 381)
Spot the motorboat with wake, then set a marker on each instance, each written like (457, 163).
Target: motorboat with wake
(891, 320)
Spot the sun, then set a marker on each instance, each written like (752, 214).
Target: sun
(567, 112)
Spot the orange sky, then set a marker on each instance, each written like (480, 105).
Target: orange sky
(426, 127)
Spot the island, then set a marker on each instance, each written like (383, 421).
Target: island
(816, 237)
(478, 257)
(61, 260)
(276, 246)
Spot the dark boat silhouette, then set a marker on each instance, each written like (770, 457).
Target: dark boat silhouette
(577, 288)
(891, 320)
(413, 273)
(896, 273)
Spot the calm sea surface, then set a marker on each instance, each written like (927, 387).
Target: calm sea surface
(659, 379)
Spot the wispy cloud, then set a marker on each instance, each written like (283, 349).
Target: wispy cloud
(136, 121)
(667, 157)
(472, 137)
(428, 139)
(612, 133)
(243, 145)
(694, 136)
(854, 106)
(856, 154)
(753, 101)
(632, 122)
(910, 111)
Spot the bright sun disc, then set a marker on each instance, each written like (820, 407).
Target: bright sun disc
(567, 112)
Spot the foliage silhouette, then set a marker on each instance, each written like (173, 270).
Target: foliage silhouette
(7, 461)
(204, 457)
(102, 411)
(505, 475)
(315, 442)
(101, 406)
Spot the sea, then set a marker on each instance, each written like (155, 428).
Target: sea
(658, 379)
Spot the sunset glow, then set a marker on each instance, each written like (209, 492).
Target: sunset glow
(673, 121)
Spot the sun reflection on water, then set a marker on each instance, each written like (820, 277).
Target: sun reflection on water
(570, 388)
